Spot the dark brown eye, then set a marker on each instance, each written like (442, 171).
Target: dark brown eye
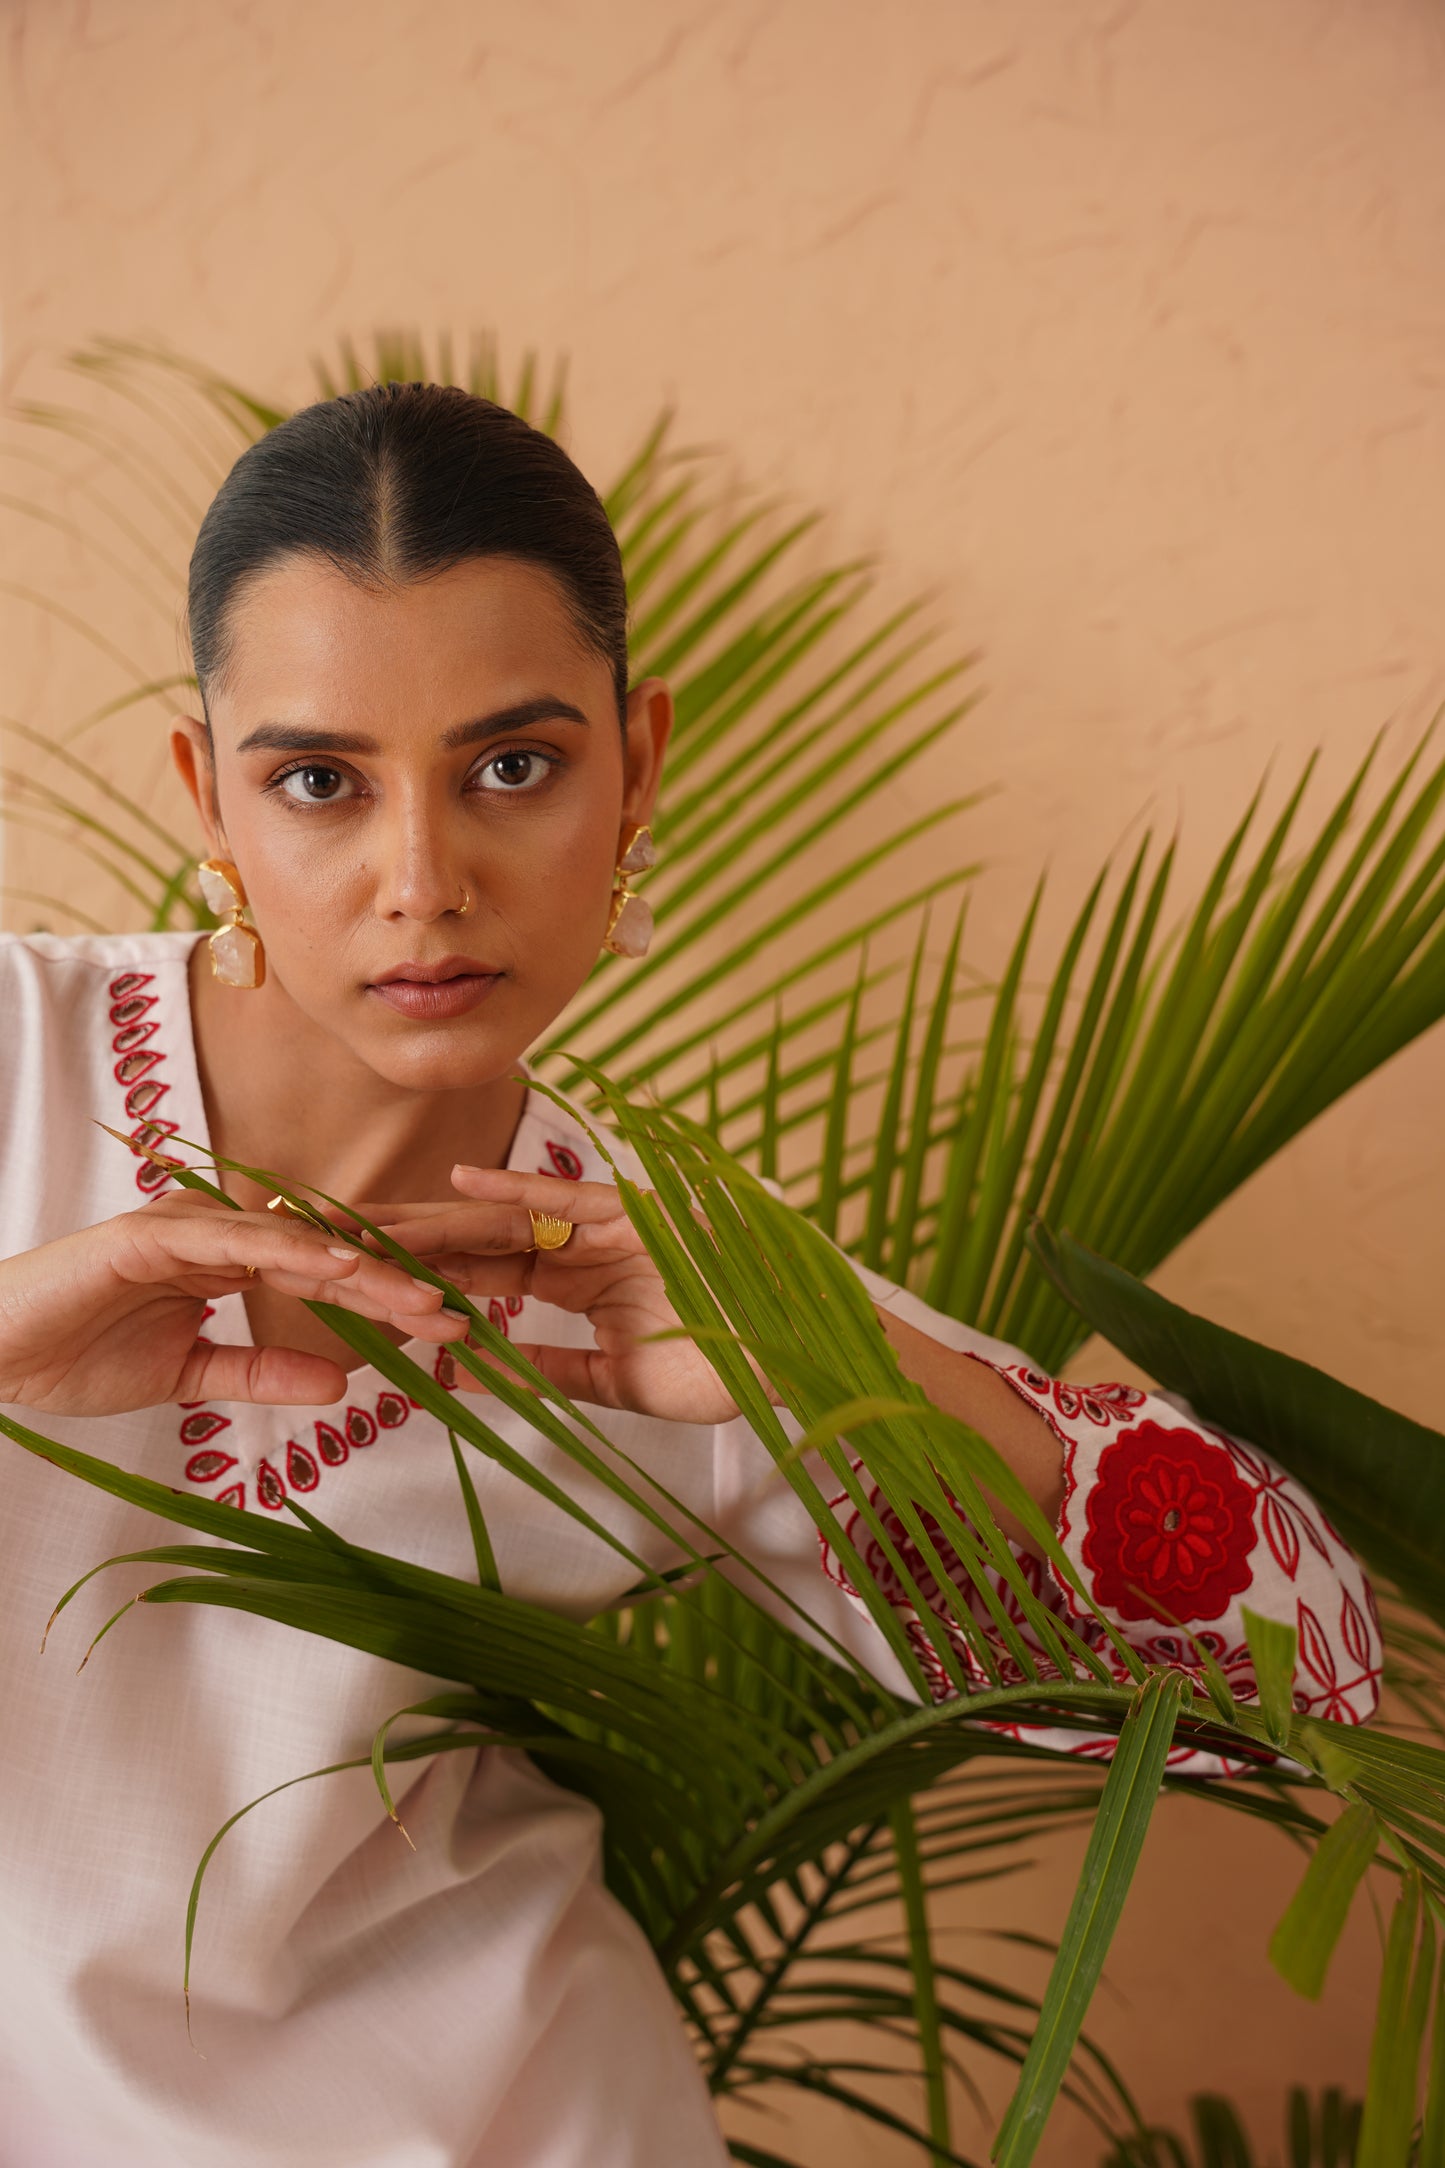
(314, 785)
(513, 771)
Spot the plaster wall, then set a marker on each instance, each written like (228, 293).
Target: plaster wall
(1116, 324)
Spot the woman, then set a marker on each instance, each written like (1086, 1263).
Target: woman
(419, 760)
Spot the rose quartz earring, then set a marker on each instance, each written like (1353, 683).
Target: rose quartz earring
(629, 923)
(238, 954)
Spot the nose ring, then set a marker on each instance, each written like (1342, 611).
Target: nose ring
(465, 905)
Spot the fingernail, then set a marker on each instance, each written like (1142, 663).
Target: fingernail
(332, 1251)
(459, 1315)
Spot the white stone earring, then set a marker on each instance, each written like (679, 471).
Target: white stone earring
(238, 954)
(630, 921)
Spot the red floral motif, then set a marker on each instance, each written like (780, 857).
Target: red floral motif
(330, 1444)
(128, 982)
(302, 1472)
(514, 1305)
(360, 1427)
(1101, 1404)
(196, 1429)
(270, 1490)
(132, 1008)
(205, 1467)
(564, 1162)
(391, 1411)
(497, 1317)
(1170, 1526)
(235, 1496)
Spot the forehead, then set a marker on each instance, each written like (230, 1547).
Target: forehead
(306, 633)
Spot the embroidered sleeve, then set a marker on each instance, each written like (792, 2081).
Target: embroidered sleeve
(1170, 1524)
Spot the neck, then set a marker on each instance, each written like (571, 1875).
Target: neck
(283, 1095)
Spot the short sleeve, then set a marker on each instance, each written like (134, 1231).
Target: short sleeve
(1173, 1528)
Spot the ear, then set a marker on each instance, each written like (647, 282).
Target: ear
(649, 726)
(195, 765)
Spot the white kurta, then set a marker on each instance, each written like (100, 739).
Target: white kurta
(482, 2000)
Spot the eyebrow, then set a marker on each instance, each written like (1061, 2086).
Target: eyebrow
(303, 738)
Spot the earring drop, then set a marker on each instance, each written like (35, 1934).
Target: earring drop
(630, 921)
(238, 954)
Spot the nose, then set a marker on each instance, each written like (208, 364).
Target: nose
(420, 873)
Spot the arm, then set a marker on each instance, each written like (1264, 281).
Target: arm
(1169, 1523)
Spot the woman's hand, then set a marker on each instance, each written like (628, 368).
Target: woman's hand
(110, 1318)
(604, 1274)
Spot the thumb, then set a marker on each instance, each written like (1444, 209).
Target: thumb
(274, 1376)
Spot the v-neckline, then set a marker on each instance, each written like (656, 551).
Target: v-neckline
(232, 1308)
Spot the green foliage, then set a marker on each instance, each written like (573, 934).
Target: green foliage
(1320, 2133)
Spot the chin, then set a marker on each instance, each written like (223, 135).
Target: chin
(439, 1060)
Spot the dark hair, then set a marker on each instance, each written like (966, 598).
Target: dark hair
(397, 482)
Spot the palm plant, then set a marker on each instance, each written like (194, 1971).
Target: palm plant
(1123, 1098)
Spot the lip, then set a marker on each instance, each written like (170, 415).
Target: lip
(431, 992)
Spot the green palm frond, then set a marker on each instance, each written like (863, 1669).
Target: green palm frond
(1155, 1070)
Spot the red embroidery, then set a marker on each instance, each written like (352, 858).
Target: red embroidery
(360, 1427)
(330, 1444)
(132, 1008)
(270, 1490)
(1101, 1404)
(302, 1472)
(514, 1305)
(235, 1496)
(1170, 1515)
(564, 1161)
(143, 1099)
(133, 1035)
(391, 1411)
(1354, 1632)
(197, 1428)
(205, 1467)
(135, 1060)
(497, 1317)
(132, 1067)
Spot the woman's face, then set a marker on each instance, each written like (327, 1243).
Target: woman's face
(382, 757)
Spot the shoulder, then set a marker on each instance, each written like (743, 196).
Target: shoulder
(69, 1004)
(556, 1136)
(56, 969)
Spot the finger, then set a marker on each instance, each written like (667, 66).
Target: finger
(487, 1230)
(243, 1243)
(582, 1373)
(584, 1203)
(275, 1376)
(435, 1325)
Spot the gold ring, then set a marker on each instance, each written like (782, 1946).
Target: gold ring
(285, 1209)
(549, 1233)
(250, 1272)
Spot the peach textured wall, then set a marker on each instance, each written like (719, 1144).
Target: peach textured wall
(1117, 323)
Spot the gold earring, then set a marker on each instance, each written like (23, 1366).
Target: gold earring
(630, 921)
(238, 954)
